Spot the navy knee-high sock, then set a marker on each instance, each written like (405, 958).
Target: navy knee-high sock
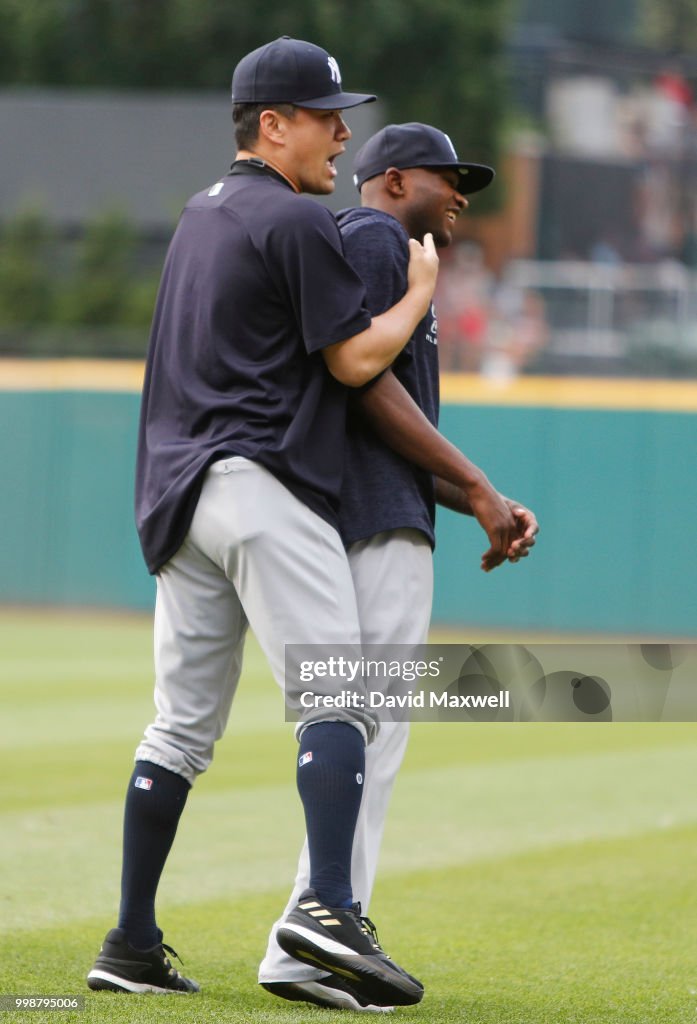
(331, 768)
(154, 803)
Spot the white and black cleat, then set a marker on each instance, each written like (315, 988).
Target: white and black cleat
(332, 992)
(339, 940)
(121, 968)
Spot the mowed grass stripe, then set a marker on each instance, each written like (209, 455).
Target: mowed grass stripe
(55, 773)
(602, 933)
(108, 715)
(245, 839)
(568, 896)
(58, 774)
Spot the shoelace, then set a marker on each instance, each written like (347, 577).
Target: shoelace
(172, 952)
(369, 928)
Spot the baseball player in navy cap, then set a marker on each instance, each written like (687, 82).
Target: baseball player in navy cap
(410, 145)
(397, 468)
(261, 327)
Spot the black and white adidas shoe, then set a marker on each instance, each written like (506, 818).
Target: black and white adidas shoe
(341, 941)
(331, 992)
(120, 968)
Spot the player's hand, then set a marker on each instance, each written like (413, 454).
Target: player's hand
(423, 265)
(495, 516)
(527, 528)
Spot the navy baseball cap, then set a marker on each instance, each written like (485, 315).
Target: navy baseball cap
(416, 145)
(292, 71)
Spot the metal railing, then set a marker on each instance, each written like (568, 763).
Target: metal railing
(633, 318)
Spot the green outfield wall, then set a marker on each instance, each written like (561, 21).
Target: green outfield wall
(615, 490)
(67, 500)
(615, 493)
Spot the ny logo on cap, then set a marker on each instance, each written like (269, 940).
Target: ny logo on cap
(334, 69)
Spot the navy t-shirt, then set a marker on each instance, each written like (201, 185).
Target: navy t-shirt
(381, 490)
(255, 284)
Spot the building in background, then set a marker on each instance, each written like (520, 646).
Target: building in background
(589, 267)
(74, 153)
(91, 188)
(599, 231)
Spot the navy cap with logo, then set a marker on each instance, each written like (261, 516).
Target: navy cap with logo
(292, 71)
(416, 145)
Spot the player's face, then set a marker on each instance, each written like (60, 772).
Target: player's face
(313, 141)
(433, 202)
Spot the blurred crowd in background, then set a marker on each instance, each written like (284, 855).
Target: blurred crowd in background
(581, 259)
(486, 325)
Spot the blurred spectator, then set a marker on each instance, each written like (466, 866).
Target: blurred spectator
(606, 250)
(517, 331)
(669, 111)
(657, 200)
(463, 304)
(482, 328)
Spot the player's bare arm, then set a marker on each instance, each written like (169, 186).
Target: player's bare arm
(357, 360)
(450, 496)
(400, 423)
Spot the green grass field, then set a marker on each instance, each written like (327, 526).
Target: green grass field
(531, 874)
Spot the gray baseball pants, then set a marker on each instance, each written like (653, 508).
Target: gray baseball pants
(393, 579)
(256, 555)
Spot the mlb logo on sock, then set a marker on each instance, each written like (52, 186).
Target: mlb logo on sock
(305, 758)
(143, 783)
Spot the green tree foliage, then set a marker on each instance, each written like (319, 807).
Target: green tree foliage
(433, 60)
(95, 281)
(669, 25)
(585, 20)
(26, 283)
(98, 290)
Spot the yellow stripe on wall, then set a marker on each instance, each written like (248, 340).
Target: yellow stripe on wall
(571, 392)
(456, 388)
(71, 374)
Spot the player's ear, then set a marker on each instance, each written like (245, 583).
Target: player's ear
(272, 126)
(394, 182)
